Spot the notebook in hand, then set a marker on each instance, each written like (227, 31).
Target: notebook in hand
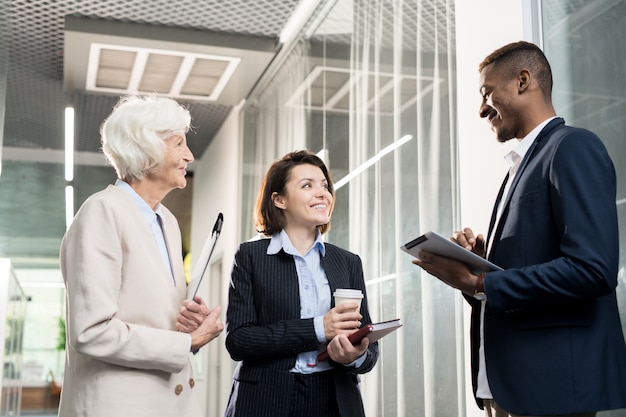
(373, 332)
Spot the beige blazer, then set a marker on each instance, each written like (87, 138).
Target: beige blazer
(124, 355)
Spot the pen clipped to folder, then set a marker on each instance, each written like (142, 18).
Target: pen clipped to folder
(201, 265)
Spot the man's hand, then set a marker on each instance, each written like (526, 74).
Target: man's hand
(466, 238)
(454, 273)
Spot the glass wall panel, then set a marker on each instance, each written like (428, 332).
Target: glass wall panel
(274, 123)
(585, 42)
(370, 86)
(13, 316)
(44, 333)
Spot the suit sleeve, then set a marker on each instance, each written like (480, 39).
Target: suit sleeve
(252, 334)
(358, 281)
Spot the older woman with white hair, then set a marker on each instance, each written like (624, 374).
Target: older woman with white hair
(121, 260)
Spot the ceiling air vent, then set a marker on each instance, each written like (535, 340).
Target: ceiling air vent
(130, 70)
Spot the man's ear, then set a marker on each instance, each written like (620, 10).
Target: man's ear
(278, 200)
(523, 80)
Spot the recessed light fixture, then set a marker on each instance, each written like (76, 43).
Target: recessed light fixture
(298, 19)
(69, 143)
(69, 205)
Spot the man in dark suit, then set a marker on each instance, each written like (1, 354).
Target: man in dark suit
(546, 335)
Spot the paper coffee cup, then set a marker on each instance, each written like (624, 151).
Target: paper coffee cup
(343, 295)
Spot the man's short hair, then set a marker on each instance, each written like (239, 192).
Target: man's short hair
(514, 57)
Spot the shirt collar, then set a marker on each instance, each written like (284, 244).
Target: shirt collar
(145, 209)
(281, 241)
(514, 157)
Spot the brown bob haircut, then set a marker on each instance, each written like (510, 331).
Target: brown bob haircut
(269, 219)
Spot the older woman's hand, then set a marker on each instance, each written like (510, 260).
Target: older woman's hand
(210, 328)
(191, 315)
(201, 322)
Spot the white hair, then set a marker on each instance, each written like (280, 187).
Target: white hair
(133, 135)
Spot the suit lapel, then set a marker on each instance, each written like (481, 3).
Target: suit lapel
(175, 261)
(530, 154)
(494, 212)
(337, 276)
(138, 218)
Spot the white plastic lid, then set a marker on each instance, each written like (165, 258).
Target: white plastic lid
(348, 293)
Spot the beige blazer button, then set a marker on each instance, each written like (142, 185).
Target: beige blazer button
(178, 389)
(192, 382)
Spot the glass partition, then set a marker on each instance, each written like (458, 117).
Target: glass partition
(44, 334)
(12, 315)
(370, 87)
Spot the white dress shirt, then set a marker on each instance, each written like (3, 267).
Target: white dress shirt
(514, 158)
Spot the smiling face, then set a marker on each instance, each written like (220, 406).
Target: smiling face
(307, 202)
(170, 173)
(500, 105)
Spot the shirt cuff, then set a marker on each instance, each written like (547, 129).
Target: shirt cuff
(318, 322)
(357, 363)
(189, 343)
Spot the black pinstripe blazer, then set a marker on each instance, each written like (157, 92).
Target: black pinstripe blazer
(265, 331)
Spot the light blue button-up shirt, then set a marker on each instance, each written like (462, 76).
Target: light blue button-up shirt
(157, 231)
(314, 293)
(151, 217)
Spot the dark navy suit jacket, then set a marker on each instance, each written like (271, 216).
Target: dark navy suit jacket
(553, 337)
(265, 331)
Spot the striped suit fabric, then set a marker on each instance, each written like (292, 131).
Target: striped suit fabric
(265, 332)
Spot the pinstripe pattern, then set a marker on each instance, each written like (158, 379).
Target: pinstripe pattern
(266, 333)
(314, 395)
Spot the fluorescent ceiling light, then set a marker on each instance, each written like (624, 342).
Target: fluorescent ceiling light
(334, 18)
(69, 143)
(27, 284)
(303, 11)
(5, 271)
(372, 161)
(323, 155)
(69, 205)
